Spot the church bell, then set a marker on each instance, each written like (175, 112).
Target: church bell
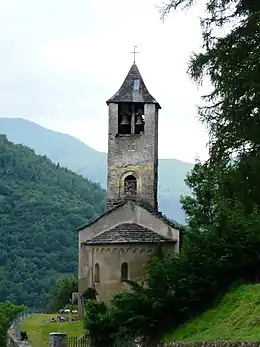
(139, 120)
(125, 120)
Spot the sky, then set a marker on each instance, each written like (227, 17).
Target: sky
(60, 60)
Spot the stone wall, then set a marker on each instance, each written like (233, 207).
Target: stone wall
(14, 333)
(135, 153)
(218, 343)
(110, 260)
(59, 340)
(13, 341)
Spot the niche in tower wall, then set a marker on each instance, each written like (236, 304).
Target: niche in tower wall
(124, 118)
(130, 186)
(139, 118)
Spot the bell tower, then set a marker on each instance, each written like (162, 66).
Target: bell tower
(133, 143)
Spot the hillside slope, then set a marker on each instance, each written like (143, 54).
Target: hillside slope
(237, 317)
(65, 149)
(79, 157)
(41, 204)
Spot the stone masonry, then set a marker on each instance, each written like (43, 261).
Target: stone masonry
(135, 154)
(58, 340)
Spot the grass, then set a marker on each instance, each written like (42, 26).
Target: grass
(38, 328)
(237, 317)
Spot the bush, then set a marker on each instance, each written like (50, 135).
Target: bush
(99, 322)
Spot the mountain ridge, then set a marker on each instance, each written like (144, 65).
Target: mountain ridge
(70, 152)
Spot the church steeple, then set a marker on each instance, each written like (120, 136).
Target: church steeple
(133, 89)
(133, 143)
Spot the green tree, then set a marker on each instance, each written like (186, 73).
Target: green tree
(62, 293)
(201, 207)
(7, 313)
(231, 61)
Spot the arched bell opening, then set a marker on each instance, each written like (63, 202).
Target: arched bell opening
(130, 118)
(124, 118)
(139, 119)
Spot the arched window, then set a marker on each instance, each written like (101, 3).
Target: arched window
(130, 185)
(96, 276)
(124, 272)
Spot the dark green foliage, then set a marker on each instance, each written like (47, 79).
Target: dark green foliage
(99, 323)
(61, 296)
(7, 313)
(41, 205)
(90, 294)
(231, 61)
(200, 208)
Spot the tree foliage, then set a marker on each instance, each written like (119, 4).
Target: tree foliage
(230, 58)
(7, 313)
(41, 205)
(99, 323)
(61, 296)
(223, 213)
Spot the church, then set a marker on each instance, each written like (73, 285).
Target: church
(113, 248)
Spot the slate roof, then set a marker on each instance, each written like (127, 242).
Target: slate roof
(149, 209)
(126, 93)
(128, 233)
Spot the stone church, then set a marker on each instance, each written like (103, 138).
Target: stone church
(113, 247)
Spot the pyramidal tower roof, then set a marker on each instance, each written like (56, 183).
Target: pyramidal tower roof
(133, 89)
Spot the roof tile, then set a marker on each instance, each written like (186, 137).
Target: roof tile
(128, 233)
(127, 93)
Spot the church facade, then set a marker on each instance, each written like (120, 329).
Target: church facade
(113, 247)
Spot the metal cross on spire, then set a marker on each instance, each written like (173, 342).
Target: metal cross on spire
(134, 52)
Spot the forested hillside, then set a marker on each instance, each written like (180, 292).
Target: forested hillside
(41, 204)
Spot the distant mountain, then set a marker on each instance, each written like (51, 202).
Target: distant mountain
(82, 159)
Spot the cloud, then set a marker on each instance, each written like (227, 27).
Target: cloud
(61, 60)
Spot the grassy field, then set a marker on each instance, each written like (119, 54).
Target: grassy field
(236, 318)
(38, 328)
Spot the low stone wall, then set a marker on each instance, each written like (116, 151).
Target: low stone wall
(14, 333)
(12, 340)
(60, 340)
(212, 344)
